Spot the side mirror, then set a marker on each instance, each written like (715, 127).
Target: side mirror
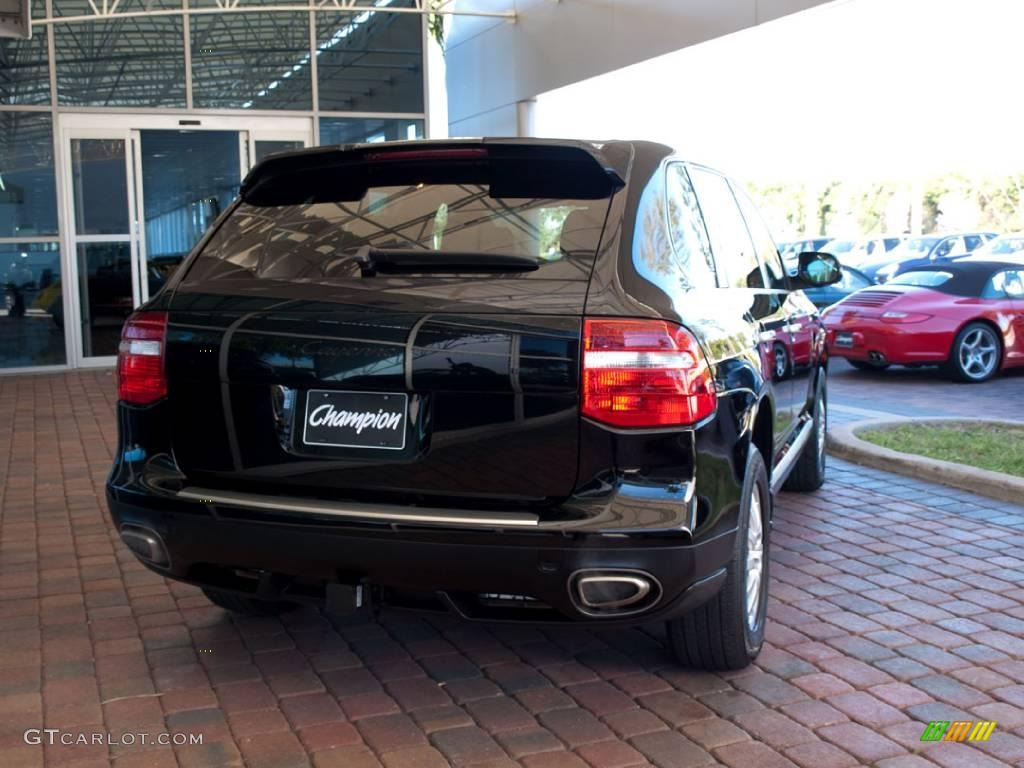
(817, 270)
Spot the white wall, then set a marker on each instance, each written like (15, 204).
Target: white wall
(493, 64)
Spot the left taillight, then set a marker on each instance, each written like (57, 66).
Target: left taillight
(140, 359)
(644, 373)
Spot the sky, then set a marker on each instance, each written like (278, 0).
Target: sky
(857, 89)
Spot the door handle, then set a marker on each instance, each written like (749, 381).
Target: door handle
(766, 336)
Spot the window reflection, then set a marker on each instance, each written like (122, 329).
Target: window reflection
(370, 62)
(360, 130)
(136, 61)
(31, 309)
(26, 71)
(251, 61)
(28, 199)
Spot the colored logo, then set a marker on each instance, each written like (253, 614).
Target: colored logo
(958, 730)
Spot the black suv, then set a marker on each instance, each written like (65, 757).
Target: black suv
(516, 379)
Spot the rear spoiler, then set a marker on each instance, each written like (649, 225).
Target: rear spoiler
(516, 168)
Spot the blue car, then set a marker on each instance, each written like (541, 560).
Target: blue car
(924, 251)
(852, 280)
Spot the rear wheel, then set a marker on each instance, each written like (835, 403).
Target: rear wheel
(976, 354)
(244, 605)
(727, 632)
(867, 365)
(809, 471)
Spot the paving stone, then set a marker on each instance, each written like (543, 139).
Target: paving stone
(879, 614)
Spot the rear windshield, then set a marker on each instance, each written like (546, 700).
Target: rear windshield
(929, 279)
(319, 241)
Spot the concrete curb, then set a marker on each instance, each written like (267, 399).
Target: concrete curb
(843, 443)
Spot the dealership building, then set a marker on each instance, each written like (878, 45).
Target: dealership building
(126, 126)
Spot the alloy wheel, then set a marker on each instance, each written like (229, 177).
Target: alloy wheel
(755, 561)
(978, 353)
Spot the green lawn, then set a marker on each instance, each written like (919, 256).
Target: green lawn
(988, 446)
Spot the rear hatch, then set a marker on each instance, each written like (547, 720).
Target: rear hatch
(393, 324)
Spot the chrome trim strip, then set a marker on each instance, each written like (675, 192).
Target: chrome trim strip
(388, 513)
(784, 467)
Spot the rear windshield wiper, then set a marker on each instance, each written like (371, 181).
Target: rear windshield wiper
(391, 260)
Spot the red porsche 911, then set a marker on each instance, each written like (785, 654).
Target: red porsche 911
(965, 316)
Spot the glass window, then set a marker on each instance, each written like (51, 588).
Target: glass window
(265, 147)
(251, 61)
(320, 242)
(132, 62)
(188, 177)
(687, 231)
(730, 241)
(763, 241)
(31, 308)
(971, 242)
(359, 130)
(105, 295)
(25, 70)
(99, 179)
(370, 61)
(28, 199)
(922, 279)
(1006, 284)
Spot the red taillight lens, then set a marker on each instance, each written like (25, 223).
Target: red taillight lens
(140, 359)
(644, 373)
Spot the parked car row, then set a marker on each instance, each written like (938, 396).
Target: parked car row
(954, 300)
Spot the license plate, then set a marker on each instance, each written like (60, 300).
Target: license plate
(355, 419)
(844, 339)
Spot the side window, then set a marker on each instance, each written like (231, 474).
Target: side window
(1015, 284)
(946, 247)
(730, 241)
(687, 231)
(891, 242)
(764, 244)
(1006, 284)
(972, 242)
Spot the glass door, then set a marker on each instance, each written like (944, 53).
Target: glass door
(185, 179)
(103, 241)
(142, 193)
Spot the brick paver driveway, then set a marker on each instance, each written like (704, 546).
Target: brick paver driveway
(890, 609)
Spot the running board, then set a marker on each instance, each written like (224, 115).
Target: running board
(793, 452)
(356, 512)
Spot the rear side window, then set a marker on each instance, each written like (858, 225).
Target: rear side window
(1006, 284)
(922, 279)
(686, 228)
(763, 241)
(730, 241)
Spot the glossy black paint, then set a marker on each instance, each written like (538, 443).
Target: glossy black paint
(491, 367)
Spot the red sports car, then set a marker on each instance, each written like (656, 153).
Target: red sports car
(965, 316)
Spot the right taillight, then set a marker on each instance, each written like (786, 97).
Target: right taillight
(140, 359)
(644, 373)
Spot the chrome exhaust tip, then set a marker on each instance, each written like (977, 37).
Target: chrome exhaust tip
(146, 544)
(613, 592)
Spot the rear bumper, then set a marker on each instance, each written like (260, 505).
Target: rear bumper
(252, 552)
(902, 345)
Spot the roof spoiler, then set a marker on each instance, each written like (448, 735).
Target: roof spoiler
(513, 168)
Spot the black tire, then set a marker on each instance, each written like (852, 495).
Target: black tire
(961, 370)
(244, 605)
(866, 365)
(808, 473)
(717, 635)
